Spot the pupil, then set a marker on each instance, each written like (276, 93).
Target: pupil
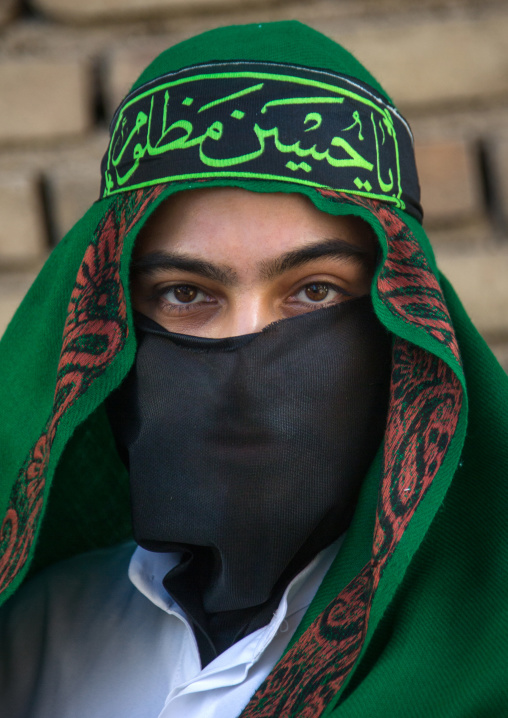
(316, 292)
(185, 293)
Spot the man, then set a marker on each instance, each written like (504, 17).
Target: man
(251, 322)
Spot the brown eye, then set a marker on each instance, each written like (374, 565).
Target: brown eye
(317, 292)
(184, 296)
(185, 293)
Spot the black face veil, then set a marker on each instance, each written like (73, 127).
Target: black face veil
(247, 453)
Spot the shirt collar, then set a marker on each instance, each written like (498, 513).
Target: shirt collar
(148, 568)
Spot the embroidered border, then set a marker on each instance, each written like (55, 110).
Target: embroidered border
(407, 285)
(95, 331)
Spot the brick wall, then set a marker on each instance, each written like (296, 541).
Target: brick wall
(64, 65)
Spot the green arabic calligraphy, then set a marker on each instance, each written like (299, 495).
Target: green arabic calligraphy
(313, 117)
(215, 132)
(233, 96)
(146, 130)
(357, 121)
(386, 121)
(302, 101)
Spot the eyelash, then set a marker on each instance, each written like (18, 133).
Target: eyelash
(158, 296)
(329, 285)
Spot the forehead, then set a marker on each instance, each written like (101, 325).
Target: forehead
(229, 223)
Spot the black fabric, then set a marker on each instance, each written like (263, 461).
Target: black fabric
(247, 453)
(267, 121)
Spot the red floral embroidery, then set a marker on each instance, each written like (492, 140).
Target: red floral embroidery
(95, 331)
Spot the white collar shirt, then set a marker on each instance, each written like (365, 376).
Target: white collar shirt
(224, 687)
(81, 639)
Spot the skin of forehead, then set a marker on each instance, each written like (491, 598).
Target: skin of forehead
(353, 235)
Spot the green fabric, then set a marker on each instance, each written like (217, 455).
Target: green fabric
(440, 648)
(274, 42)
(411, 619)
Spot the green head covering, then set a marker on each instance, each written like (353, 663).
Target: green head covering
(410, 618)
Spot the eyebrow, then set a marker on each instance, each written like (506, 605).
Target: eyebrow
(154, 262)
(331, 248)
(163, 261)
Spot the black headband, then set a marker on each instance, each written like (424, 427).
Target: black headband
(245, 120)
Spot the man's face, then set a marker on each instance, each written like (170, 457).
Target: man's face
(221, 262)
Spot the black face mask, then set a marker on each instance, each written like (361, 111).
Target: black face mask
(247, 453)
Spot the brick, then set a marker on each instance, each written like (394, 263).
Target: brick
(13, 287)
(71, 189)
(98, 10)
(43, 98)
(123, 65)
(433, 62)
(473, 234)
(71, 174)
(43, 156)
(449, 181)
(479, 277)
(498, 147)
(8, 10)
(22, 234)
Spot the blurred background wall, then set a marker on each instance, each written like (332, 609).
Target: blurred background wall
(65, 65)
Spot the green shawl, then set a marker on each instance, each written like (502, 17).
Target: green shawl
(411, 619)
